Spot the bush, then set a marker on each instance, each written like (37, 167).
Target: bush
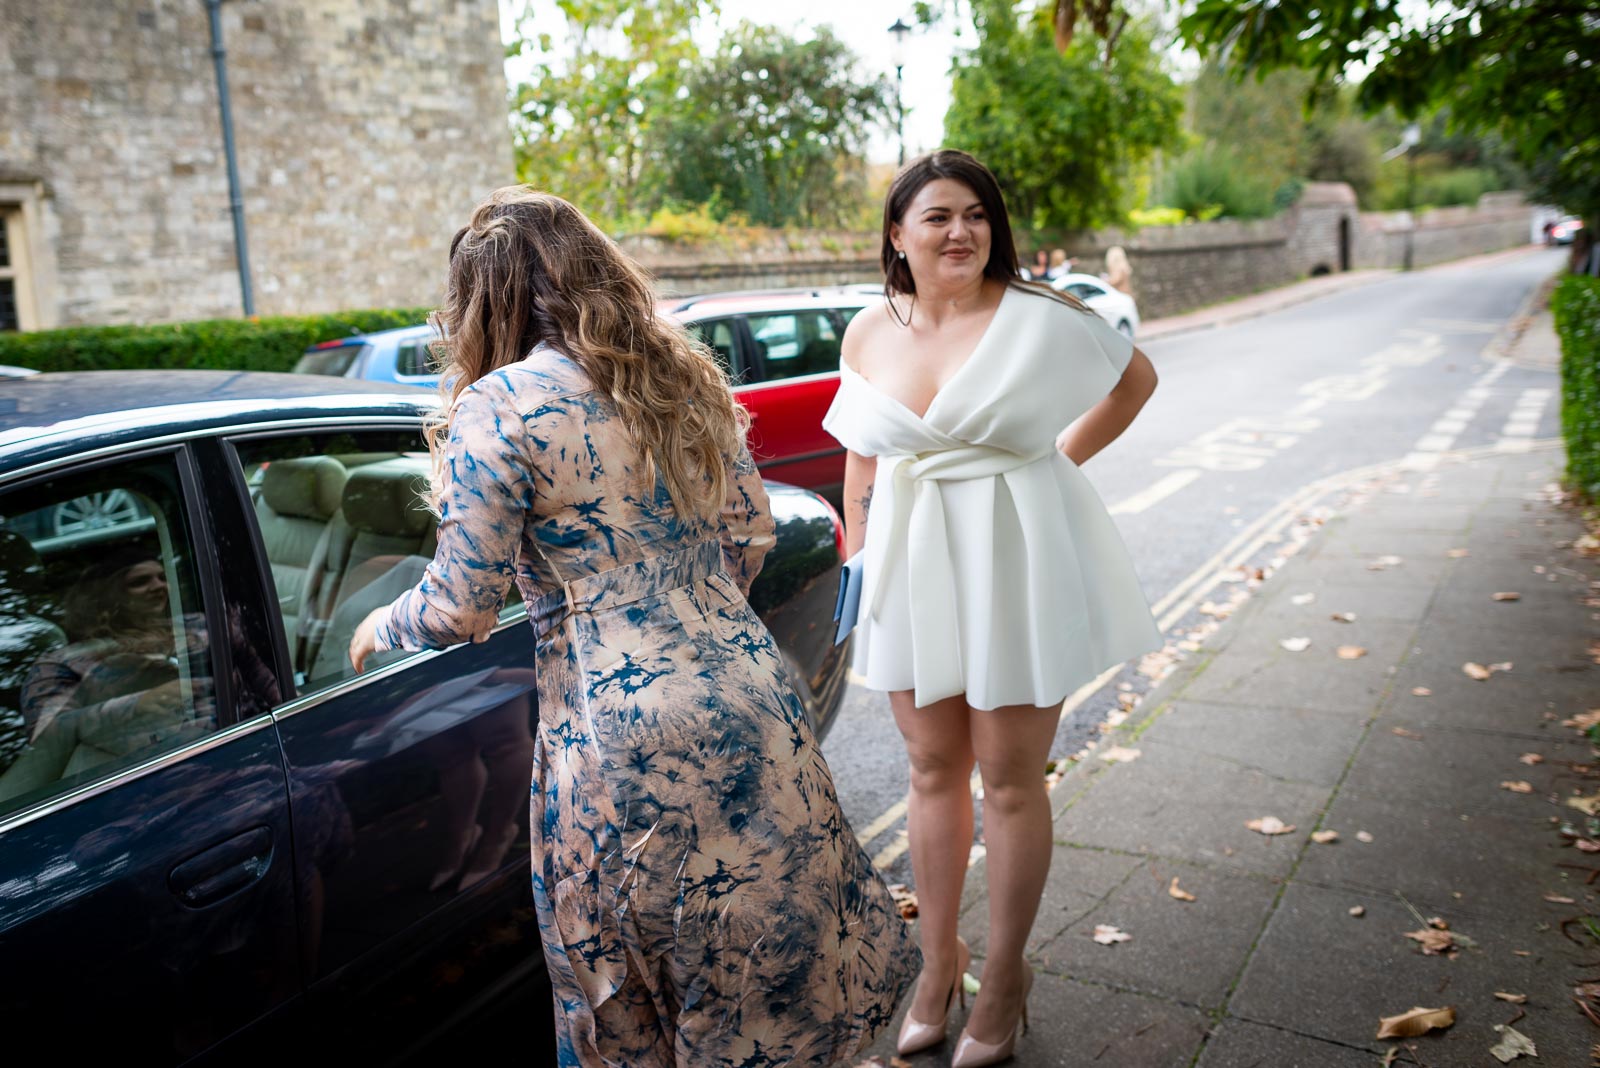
(1157, 217)
(1577, 313)
(1210, 182)
(270, 344)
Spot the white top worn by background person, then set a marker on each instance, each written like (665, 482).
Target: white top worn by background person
(992, 567)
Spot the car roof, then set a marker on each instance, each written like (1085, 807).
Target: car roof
(759, 300)
(44, 417)
(398, 333)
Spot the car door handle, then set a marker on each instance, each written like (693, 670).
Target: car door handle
(224, 869)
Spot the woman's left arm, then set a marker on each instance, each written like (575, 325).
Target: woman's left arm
(747, 522)
(1105, 422)
(484, 500)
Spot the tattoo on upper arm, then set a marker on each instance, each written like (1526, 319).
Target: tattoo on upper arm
(866, 502)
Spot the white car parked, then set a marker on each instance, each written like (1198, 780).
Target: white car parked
(1112, 305)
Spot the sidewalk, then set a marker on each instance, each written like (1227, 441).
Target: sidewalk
(1417, 767)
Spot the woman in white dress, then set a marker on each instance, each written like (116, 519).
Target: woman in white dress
(995, 582)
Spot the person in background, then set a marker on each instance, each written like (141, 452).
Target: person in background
(1119, 272)
(1060, 264)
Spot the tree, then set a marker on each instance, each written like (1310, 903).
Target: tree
(1524, 68)
(582, 121)
(1066, 133)
(773, 128)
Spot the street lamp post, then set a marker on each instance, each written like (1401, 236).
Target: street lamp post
(899, 31)
(1410, 138)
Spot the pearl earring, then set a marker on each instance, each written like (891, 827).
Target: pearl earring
(902, 253)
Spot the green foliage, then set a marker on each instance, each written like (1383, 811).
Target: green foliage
(583, 122)
(268, 344)
(1526, 70)
(1263, 122)
(1157, 216)
(1576, 304)
(1066, 133)
(1209, 182)
(773, 128)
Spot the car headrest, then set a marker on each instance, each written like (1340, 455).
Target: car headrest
(386, 498)
(310, 488)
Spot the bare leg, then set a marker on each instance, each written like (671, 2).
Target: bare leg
(1012, 745)
(939, 825)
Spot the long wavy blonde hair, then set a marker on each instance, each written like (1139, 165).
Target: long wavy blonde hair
(530, 268)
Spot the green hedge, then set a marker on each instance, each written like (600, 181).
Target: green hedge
(270, 344)
(1577, 313)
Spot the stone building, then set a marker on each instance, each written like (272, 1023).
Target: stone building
(365, 134)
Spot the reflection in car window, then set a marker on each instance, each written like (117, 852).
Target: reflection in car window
(334, 360)
(795, 343)
(346, 529)
(718, 337)
(414, 358)
(106, 657)
(1085, 290)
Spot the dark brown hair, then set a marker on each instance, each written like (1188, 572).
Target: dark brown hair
(960, 167)
(530, 268)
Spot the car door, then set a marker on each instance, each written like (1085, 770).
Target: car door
(408, 784)
(794, 376)
(146, 865)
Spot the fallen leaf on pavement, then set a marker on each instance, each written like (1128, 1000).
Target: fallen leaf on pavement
(1108, 935)
(905, 899)
(1531, 759)
(1434, 943)
(1269, 825)
(1520, 786)
(1475, 670)
(1173, 890)
(1324, 837)
(1504, 665)
(1383, 562)
(1583, 720)
(1418, 1021)
(1120, 755)
(1587, 845)
(1456, 554)
(1515, 999)
(1363, 836)
(1404, 733)
(1358, 911)
(1589, 806)
(1343, 617)
(1296, 645)
(1512, 1044)
(1559, 899)
(1508, 596)
(1351, 652)
(1421, 691)
(1303, 598)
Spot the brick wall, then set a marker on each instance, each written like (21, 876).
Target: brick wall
(365, 134)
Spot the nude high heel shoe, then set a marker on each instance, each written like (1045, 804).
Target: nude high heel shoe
(970, 1053)
(916, 1036)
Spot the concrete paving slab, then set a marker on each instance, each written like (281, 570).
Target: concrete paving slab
(1365, 968)
(1432, 855)
(1189, 806)
(1369, 601)
(1256, 670)
(1286, 743)
(1506, 704)
(1074, 1024)
(1241, 1044)
(1079, 880)
(1362, 569)
(1189, 951)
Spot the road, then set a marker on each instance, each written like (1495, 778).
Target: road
(1255, 426)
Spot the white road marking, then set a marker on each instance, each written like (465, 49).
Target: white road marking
(1441, 436)
(1523, 422)
(1155, 493)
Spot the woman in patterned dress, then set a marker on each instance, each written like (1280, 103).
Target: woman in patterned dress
(701, 899)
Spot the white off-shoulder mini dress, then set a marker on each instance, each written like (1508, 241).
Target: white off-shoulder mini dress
(992, 568)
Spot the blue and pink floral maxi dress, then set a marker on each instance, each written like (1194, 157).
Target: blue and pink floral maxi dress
(701, 899)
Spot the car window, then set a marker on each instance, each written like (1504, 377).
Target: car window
(346, 528)
(105, 649)
(795, 343)
(333, 360)
(1085, 290)
(718, 337)
(414, 358)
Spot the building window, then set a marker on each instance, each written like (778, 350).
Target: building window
(9, 316)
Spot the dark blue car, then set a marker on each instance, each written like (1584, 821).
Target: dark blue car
(216, 841)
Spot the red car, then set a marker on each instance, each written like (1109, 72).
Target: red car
(782, 349)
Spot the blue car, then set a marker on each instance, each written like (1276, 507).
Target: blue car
(216, 841)
(400, 356)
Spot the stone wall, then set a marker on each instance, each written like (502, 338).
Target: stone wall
(1175, 268)
(365, 134)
